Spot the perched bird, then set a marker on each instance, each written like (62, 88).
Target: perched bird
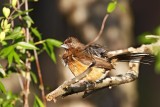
(78, 57)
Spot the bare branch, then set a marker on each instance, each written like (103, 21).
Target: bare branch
(28, 64)
(101, 30)
(108, 82)
(40, 77)
(81, 87)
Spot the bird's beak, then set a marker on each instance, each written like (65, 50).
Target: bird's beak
(65, 46)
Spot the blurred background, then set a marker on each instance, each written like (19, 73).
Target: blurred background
(82, 19)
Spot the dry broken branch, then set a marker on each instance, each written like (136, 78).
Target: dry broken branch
(129, 76)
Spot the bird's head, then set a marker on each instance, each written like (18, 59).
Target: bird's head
(72, 43)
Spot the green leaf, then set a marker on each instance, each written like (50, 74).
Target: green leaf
(49, 50)
(15, 34)
(28, 18)
(6, 11)
(111, 6)
(5, 25)
(157, 31)
(49, 46)
(2, 71)
(10, 58)
(36, 33)
(6, 51)
(156, 50)
(10, 100)
(10, 54)
(37, 102)
(14, 3)
(157, 63)
(4, 43)
(16, 57)
(33, 75)
(26, 45)
(144, 40)
(21, 13)
(54, 42)
(2, 36)
(2, 88)
(17, 29)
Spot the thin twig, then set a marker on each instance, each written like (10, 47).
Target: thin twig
(27, 76)
(40, 77)
(152, 36)
(12, 21)
(19, 6)
(26, 84)
(100, 32)
(27, 29)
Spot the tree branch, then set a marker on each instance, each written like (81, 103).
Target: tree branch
(108, 82)
(40, 77)
(82, 87)
(28, 64)
(101, 30)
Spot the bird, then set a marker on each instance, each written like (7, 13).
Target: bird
(78, 57)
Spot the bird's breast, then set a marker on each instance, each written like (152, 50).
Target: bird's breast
(78, 68)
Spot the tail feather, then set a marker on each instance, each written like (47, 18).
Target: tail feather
(126, 57)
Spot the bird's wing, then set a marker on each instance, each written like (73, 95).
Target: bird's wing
(87, 58)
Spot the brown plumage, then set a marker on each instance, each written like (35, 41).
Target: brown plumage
(78, 57)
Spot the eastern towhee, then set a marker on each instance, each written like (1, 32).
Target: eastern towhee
(78, 57)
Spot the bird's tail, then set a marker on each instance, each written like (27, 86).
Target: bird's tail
(134, 57)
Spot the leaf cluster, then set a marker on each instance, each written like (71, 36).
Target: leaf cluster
(18, 41)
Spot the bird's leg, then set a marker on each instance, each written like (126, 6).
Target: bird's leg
(133, 66)
(103, 76)
(61, 89)
(87, 93)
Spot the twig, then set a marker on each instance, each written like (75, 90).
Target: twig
(12, 21)
(152, 36)
(19, 6)
(40, 77)
(27, 29)
(26, 84)
(27, 76)
(100, 32)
